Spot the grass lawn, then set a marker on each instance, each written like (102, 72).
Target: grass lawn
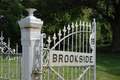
(108, 65)
(9, 69)
(107, 68)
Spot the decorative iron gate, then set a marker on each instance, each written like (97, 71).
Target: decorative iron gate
(73, 55)
(10, 61)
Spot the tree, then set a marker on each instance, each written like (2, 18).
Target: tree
(104, 31)
(54, 13)
(110, 10)
(10, 13)
(60, 12)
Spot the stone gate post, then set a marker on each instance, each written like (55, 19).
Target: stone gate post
(30, 39)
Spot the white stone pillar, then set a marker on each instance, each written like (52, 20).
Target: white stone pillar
(30, 40)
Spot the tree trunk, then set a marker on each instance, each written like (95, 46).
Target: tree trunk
(115, 46)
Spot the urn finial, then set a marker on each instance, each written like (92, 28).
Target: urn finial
(30, 11)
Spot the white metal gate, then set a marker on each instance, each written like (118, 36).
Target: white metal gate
(73, 55)
(10, 61)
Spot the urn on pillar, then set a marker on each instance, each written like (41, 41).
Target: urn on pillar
(30, 21)
(30, 39)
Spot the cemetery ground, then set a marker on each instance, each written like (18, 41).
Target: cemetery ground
(107, 65)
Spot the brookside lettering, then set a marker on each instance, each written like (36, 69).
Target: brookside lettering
(60, 58)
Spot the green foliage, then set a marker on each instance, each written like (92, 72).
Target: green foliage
(104, 31)
(56, 14)
(10, 13)
(99, 37)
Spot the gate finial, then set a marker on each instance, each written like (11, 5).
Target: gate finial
(94, 25)
(94, 20)
(31, 11)
(1, 38)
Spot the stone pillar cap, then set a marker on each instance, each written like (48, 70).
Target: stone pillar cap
(30, 21)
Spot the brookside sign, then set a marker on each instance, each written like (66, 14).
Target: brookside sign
(64, 58)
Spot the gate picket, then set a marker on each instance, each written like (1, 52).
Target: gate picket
(72, 56)
(83, 32)
(9, 61)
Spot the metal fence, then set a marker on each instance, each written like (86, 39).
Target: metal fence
(69, 54)
(74, 40)
(10, 61)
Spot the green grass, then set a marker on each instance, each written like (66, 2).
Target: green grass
(107, 66)
(74, 76)
(5, 68)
